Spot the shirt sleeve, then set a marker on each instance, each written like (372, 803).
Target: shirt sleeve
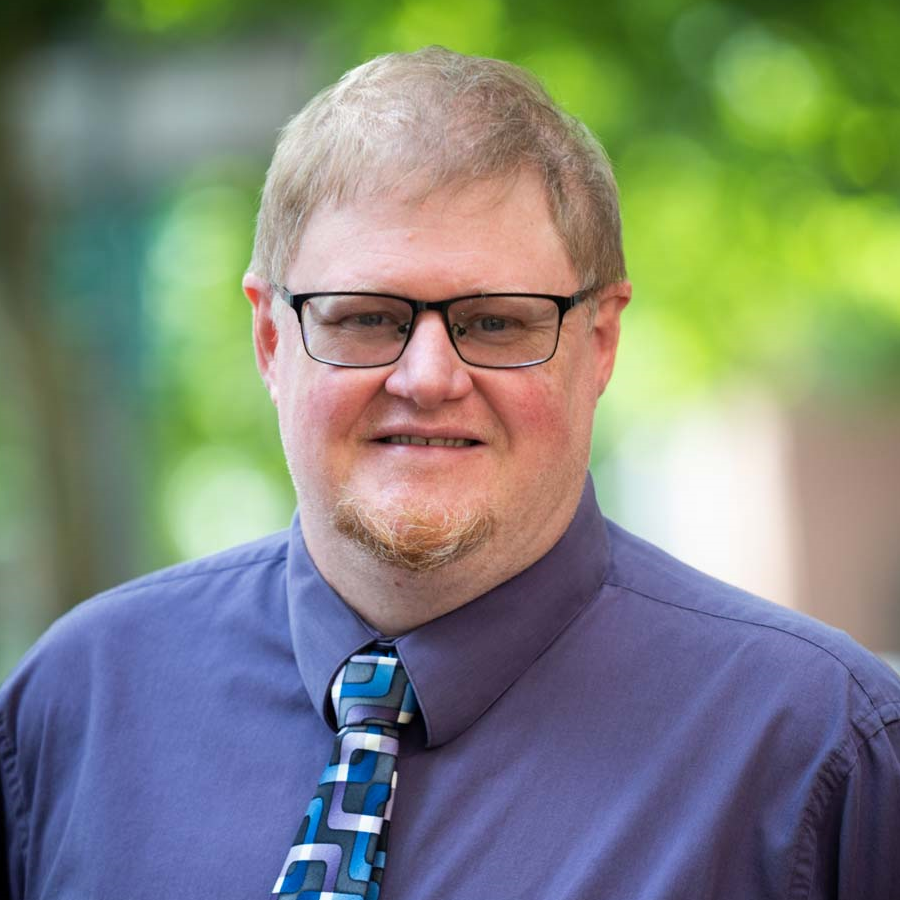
(869, 863)
(5, 887)
(4, 865)
(852, 847)
(8, 853)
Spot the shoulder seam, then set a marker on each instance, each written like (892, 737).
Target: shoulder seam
(792, 634)
(149, 581)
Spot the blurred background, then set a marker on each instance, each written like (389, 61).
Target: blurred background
(752, 427)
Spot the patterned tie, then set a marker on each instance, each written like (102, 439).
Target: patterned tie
(339, 851)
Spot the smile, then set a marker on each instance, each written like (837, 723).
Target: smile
(427, 442)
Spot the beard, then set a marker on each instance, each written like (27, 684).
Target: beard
(418, 539)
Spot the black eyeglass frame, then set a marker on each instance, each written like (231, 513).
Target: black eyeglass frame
(563, 305)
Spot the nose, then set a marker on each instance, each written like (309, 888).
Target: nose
(430, 371)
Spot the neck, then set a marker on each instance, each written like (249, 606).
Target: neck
(394, 600)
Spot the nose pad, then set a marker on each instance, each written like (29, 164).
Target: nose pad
(431, 326)
(429, 371)
(429, 346)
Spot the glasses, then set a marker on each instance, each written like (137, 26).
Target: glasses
(360, 329)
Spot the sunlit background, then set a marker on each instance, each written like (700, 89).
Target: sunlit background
(752, 427)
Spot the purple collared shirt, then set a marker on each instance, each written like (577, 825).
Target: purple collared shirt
(608, 724)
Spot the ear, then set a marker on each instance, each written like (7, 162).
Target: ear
(605, 333)
(265, 333)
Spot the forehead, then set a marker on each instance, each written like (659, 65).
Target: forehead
(489, 235)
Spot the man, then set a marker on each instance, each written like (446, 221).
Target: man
(436, 286)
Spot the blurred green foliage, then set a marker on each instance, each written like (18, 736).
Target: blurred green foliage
(756, 150)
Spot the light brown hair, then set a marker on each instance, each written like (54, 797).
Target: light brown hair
(438, 119)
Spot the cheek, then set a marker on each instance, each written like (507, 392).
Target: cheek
(539, 417)
(324, 411)
(553, 417)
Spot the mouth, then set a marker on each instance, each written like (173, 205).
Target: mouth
(418, 441)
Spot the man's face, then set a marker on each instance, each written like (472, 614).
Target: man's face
(527, 431)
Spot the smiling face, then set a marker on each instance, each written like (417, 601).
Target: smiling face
(430, 439)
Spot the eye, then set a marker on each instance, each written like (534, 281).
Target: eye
(493, 323)
(367, 320)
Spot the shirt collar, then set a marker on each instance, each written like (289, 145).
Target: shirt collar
(492, 640)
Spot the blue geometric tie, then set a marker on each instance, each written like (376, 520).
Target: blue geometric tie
(339, 851)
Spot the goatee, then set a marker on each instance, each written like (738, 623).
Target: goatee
(418, 539)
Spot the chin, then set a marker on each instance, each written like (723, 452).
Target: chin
(418, 535)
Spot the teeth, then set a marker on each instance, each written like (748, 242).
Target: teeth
(427, 442)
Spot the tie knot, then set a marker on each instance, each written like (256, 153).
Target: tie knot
(372, 689)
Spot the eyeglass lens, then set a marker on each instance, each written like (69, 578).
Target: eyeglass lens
(362, 330)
